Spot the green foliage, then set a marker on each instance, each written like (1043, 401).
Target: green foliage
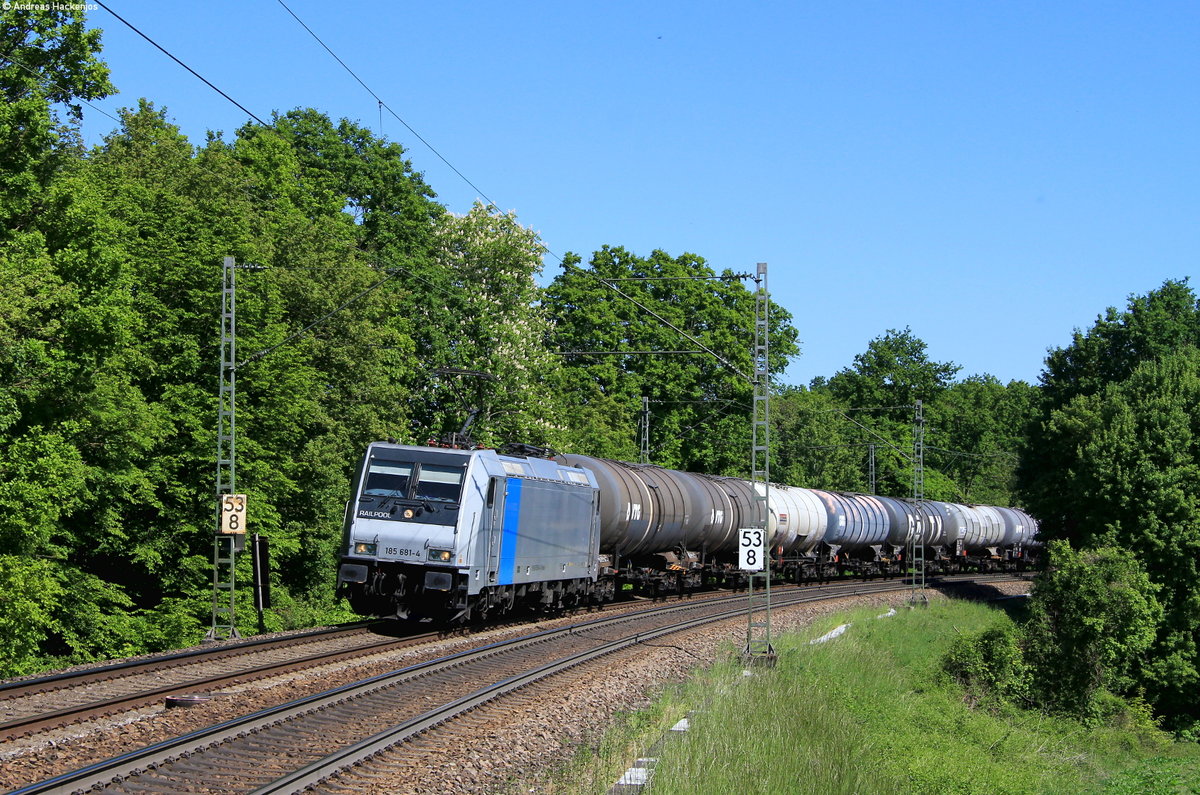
(489, 323)
(49, 59)
(698, 403)
(108, 369)
(1153, 325)
(1114, 459)
(882, 388)
(31, 594)
(42, 478)
(1093, 617)
(1083, 649)
(57, 613)
(975, 431)
(894, 371)
(814, 443)
(1133, 456)
(973, 428)
(367, 315)
(991, 666)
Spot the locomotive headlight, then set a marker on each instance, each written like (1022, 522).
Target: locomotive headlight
(441, 555)
(363, 548)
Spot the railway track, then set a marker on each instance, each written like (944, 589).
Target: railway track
(341, 733)
(36, 705)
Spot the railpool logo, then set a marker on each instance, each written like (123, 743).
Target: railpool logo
(50, 6)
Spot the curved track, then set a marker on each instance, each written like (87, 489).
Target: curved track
(338, 732)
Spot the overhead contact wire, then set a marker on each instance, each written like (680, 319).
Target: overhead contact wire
(383, 104)
(167, 53)
(48, 81)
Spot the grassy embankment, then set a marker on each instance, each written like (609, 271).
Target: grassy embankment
(871, 712)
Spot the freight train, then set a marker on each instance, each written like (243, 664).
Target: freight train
(455, 535)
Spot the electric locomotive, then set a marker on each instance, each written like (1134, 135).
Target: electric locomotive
(437, 534)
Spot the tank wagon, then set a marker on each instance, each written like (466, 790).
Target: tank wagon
(455, 534)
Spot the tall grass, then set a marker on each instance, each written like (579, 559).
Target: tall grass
(871, 712)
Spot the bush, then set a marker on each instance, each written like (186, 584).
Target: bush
(1093, 616)
(30, 593)
(991, 665)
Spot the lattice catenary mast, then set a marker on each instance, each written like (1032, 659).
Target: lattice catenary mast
(758, 632)
(916, 557)
(225, 545)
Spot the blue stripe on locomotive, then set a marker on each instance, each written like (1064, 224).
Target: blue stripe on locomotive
(508, 538)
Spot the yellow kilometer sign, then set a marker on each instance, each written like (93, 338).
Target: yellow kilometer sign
(233, 513)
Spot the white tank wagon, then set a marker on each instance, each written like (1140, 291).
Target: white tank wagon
(798, 519)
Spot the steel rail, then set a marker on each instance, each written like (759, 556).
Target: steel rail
(88, 675)
(319, 771)
(322, 770)
(29, 724)
(130, 764)
(33, 722)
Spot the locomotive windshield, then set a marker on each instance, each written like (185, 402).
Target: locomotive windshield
(425, 488)
(439, 483)
(388, 479)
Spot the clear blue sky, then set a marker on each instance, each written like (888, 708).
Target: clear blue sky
(992, 175)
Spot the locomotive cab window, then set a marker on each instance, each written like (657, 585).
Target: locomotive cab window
(388, 479)
(439, 483)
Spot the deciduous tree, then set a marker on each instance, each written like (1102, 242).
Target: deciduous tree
(618, 352)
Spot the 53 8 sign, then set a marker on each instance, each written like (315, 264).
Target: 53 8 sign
(233, 513)
(751, 549)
